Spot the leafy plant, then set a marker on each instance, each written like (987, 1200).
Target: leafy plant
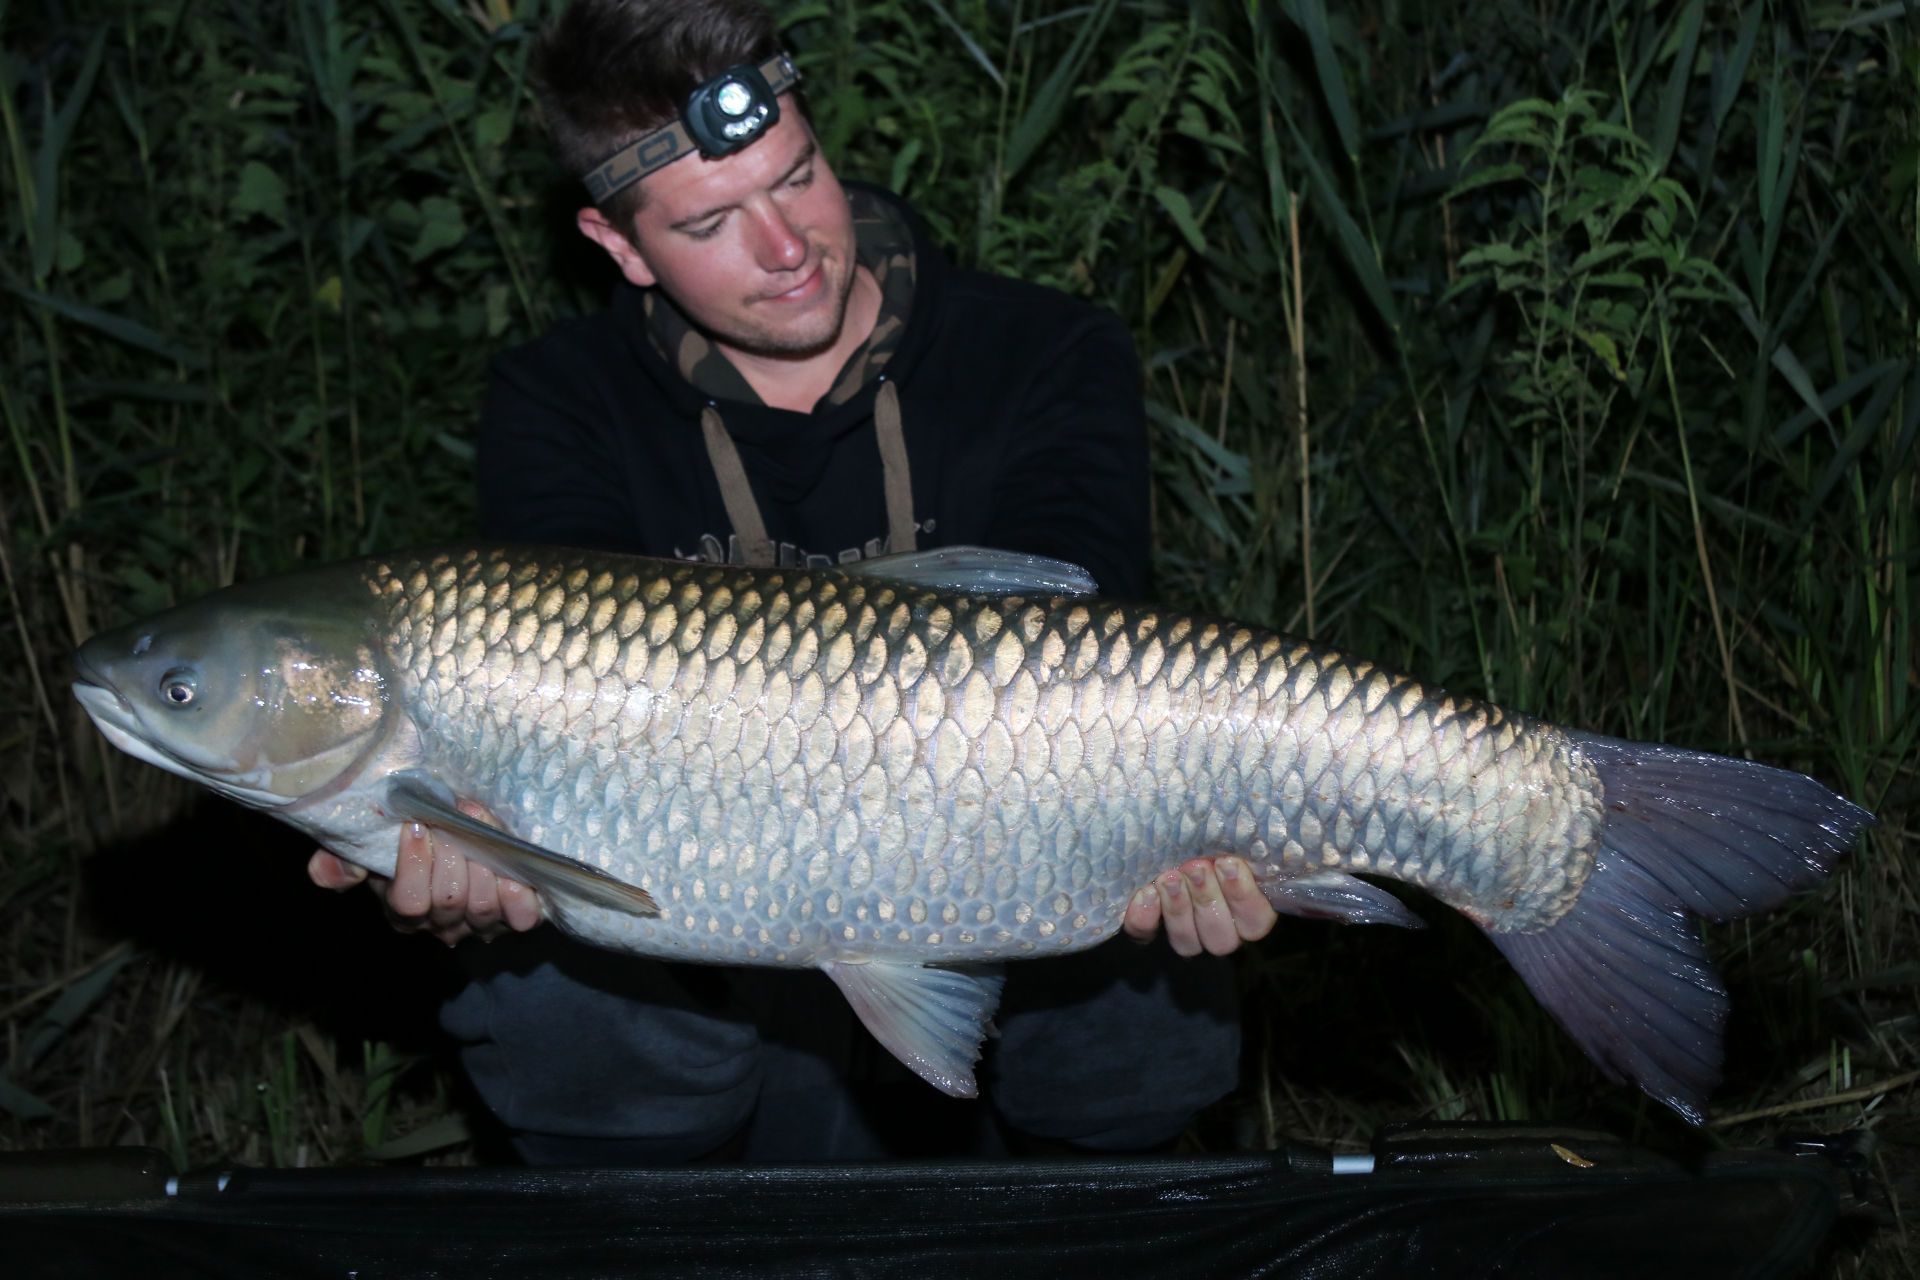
(1606, 252)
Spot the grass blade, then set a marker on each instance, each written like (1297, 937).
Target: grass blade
(131, 332)
(968, 43)
(46, 165)
(1836, 396)
(1673, 102)
(1312, 17)
(1357, 250)
(20, 1104)
(1732, 75)
(1866, 424)
(53, 1026)
(1043, 113)
(449, 1130)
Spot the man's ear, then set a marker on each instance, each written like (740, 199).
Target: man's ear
(632, 263)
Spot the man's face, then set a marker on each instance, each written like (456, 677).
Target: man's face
(756, 248)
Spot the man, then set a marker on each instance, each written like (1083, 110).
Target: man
(796, 376)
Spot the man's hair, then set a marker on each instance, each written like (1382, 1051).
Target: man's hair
(611, 71)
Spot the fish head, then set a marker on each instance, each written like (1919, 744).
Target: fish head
(268, 693)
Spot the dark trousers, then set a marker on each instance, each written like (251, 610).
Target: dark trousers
(591, 1057)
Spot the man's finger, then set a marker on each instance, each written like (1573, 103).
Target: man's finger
(520, 905)
(1253, 916)
(483, 900)
(410, 895)
(1142, 920)
(1176, 913)
(448, 888)
(332, 872)
(1212, 921)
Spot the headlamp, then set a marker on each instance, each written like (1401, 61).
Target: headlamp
(723, 115)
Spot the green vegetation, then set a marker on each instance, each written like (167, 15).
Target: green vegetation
(1565, 354)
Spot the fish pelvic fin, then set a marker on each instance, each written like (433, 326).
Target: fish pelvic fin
(1685, 834)
(415, 797)
(931, 1019)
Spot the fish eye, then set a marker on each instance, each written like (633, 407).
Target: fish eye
(178, 687)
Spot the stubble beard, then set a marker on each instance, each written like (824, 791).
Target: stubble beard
(763, 340)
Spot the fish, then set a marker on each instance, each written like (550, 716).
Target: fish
(908, 771)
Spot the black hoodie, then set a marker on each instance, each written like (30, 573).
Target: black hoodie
(1021, 410)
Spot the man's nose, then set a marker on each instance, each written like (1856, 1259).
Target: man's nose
(778, 246)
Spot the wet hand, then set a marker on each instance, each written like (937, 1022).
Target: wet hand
(1206, 904)
(435, 889)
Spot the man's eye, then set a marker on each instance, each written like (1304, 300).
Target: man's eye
(707, 232)
(802, 181)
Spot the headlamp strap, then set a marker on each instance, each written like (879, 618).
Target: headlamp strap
(671, 141)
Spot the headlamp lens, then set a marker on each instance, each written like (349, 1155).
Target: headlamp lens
(734, 98)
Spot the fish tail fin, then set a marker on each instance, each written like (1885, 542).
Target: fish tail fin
(1685, 834)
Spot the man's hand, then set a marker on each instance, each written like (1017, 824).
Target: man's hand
(436, 890)
(1208, 904)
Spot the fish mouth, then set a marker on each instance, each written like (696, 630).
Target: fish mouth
(113, 713)
(114, 716)
(90, 675)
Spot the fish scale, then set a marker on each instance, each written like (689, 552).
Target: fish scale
(599, 734)
(905, 771)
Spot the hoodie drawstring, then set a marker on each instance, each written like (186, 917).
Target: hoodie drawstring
(895, 475)
(742, 510)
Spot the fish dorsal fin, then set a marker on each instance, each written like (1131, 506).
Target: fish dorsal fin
(979, 571)
(931, 1019)
(417, 797)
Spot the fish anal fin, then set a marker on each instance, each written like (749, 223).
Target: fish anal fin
(931, 1019)
(1335, 895)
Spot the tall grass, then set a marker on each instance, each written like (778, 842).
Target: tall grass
(1563, 353)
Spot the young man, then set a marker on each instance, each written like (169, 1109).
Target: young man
(796, 376)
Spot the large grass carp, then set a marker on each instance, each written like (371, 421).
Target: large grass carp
(906, 771)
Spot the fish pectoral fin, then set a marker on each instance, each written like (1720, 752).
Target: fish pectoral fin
(415, 797)
(931, 1019)
(979, 571)
(1335, 895)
